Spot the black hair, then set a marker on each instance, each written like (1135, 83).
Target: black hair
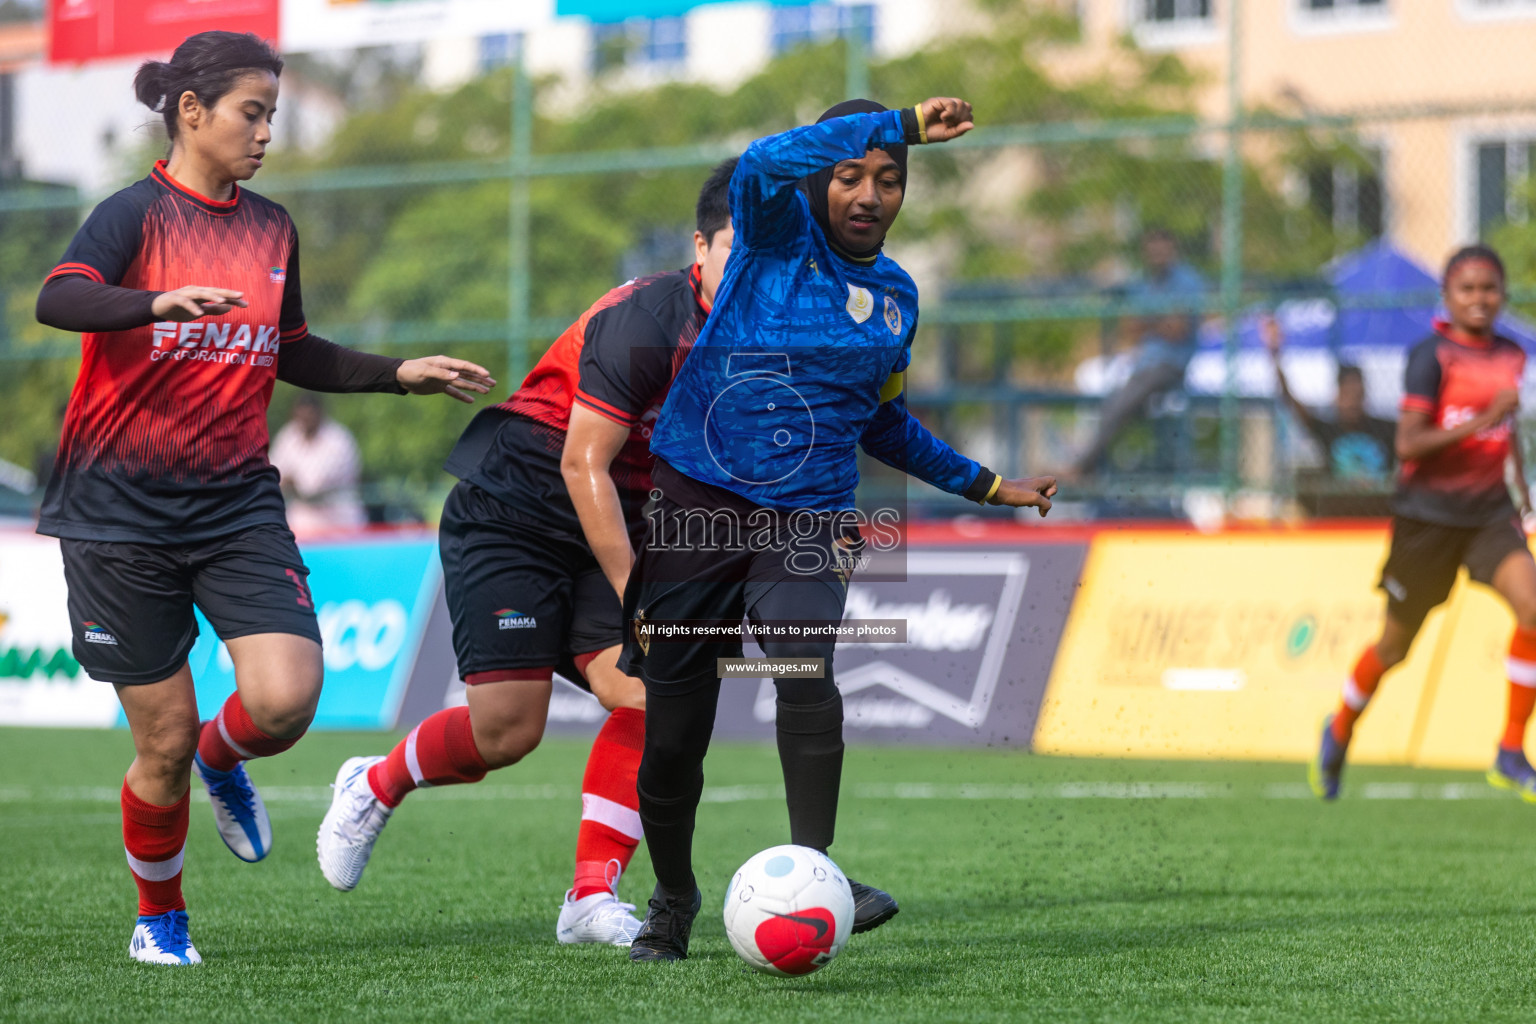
(1160, 231)
(1349, 371)
(207, 65)
(713, 212)
(1478, 253)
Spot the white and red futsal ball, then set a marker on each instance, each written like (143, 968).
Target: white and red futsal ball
(788, 910)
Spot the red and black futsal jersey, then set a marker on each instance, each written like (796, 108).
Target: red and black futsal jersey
(1453, 377)
(165, 436)
(617, 360)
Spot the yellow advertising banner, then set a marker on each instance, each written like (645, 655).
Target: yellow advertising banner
(1235, 646)
(1463, 710)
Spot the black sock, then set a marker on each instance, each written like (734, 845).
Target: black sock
(668, 827)
(671, 777)
(811, 754)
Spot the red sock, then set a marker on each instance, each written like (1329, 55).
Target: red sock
(439, 752)
(610, 810)
(1521, 667)
(231, 737)
(1358, 689)
(154, 838)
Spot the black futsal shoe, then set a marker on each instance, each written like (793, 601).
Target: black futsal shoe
(668, 920)
(871, 907)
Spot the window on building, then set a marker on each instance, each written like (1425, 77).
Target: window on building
(639, 42)
(1326, 16)
(1343, 5)
(820, 22)
(1171, 12)
(1499, 6)
(1504, 181)
(1348, 192)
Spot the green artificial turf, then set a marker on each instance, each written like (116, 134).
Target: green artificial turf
(1031, 889)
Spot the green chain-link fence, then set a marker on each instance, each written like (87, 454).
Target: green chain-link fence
(481, 221)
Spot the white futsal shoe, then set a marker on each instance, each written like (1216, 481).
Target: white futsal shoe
(599, 918)
(351, 826)
(237, 810)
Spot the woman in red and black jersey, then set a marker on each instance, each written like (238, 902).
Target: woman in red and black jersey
(162, 495)
(1456, 435)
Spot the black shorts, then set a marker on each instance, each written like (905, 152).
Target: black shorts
(1425, 557)
(520, 597)
(131, 605)
(795, 570)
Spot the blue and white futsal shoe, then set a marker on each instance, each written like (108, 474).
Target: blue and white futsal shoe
(163, 939)
(351, 826)
(1325, 770)
(237, 810)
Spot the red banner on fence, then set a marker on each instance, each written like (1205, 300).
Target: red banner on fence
(84, 30)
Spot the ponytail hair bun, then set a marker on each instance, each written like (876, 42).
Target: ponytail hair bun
(206, 65)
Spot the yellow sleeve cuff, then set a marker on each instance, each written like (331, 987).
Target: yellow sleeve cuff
(993, 490)
(922, 125)
(893, 386)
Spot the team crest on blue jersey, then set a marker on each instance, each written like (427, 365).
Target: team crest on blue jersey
(893, 316)
(860, 303)
(277, 275)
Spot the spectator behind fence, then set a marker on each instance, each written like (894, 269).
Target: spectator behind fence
(1164, 341)
(1358, 449)
(319, 463)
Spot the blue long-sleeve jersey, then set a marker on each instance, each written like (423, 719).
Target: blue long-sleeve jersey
(786, 377)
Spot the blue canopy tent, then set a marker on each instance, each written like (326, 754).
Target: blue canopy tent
(1381, 302)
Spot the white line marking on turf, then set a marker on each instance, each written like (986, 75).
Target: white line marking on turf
(865, 791)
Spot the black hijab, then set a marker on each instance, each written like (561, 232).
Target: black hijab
(815, 185)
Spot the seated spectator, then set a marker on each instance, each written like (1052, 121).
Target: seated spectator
(1163, 342)
(1358, 449)
(318, 460)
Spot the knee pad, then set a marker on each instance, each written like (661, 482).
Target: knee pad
(811, 719)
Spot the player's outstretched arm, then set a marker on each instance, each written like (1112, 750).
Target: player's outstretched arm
(76, 303)
(1274, 340)
(315, 364)
(899, 439)
(592, 442)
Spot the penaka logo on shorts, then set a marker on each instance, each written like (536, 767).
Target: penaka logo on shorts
(94, 634)
(509, 618)
(211, 342)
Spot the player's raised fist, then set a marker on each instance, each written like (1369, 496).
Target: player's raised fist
(946, 117)
(1269, 332)
(1026, 492)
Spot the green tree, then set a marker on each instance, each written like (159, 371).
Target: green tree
(412, 268)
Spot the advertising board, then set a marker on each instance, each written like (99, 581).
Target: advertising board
(1236, 646)
(84, 30)
(981, 625)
